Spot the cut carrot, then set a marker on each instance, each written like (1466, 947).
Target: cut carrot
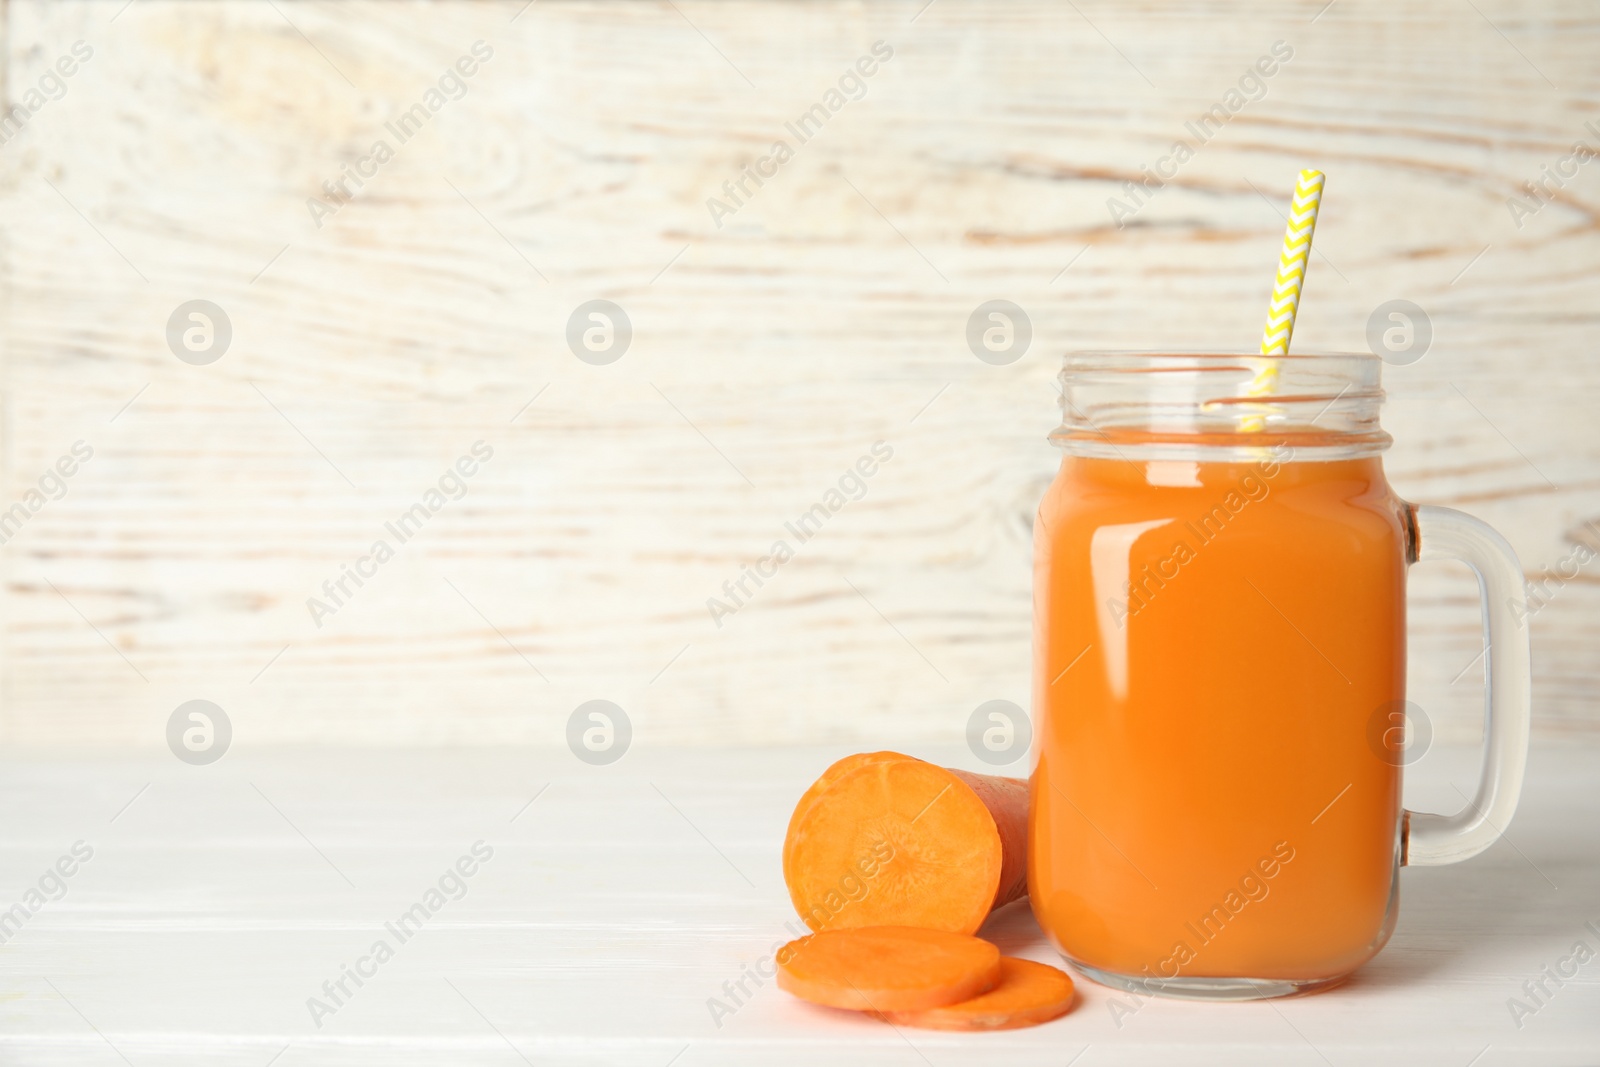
(1007, 801)
(884, 839)
(834, 772)
(887, 968)
(1029, 993)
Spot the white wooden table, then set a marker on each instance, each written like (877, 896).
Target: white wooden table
(219, 899)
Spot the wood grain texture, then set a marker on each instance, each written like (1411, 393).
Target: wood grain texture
(768, 354)
(617, 905)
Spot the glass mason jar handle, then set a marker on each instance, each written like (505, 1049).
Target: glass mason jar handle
(1434, 840)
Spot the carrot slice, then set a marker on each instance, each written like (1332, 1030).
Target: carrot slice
(887, 968)
(883, 839)
(835, 771)
(1029, 993)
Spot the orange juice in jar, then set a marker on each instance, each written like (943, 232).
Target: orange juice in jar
(1219, 668)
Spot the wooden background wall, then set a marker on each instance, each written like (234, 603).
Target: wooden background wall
(769, 353)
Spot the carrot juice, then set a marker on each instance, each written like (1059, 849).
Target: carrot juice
(1213, 641)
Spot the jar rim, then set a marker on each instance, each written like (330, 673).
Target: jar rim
(1089, 355)
(1212, 404)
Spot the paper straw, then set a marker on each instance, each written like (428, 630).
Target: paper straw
(1292, 260)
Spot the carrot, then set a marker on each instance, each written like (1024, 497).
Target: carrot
(835, 771)
(1029, 993)
(1007, 801)
(884, 839)
(887, 968)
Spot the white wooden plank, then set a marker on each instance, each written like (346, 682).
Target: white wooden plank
(819, 319)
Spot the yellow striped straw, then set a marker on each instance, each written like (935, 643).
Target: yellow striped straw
(1292, 260)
